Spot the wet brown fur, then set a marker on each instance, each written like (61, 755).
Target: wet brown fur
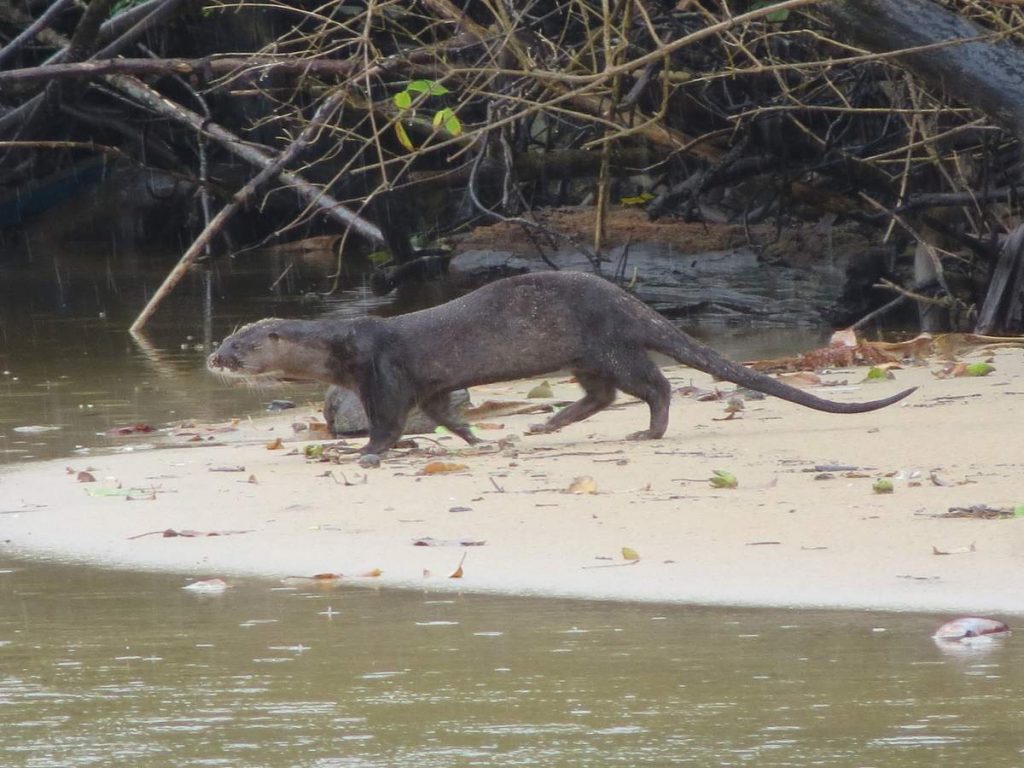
(511, 329)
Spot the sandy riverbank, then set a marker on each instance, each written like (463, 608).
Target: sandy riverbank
(785, 537)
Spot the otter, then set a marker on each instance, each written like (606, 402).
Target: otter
(510, 329)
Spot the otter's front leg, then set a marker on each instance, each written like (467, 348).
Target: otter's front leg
(387, 400)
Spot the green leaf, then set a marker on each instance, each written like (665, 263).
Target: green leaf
(875, 373)
(641, 199)
(777, 17)
(1018, 511)
(428, 87)
(379, 257)
(403, 137)
(403, 99)
(722, 479)
(628, 553)
(882, 485)
(979, 369)
(447, 117)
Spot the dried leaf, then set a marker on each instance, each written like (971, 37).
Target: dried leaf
(801, 379)
(492, 408)
(457, 573)
(488, 426)
(954, 551)
(430, 541)
(318, 430)
(541, 390)
(442, 468)
(276, 444)
(583, 484)
(85, 477)
(844, 337)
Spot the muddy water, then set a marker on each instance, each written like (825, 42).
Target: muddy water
(117, 668)
(69, 371)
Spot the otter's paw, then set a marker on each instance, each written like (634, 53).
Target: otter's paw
(369, 461)
(645, 434)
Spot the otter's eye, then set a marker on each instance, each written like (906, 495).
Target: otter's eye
(273, 336)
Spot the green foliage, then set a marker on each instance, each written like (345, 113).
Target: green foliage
(416, 92)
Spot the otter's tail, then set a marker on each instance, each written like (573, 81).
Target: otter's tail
(689, 351)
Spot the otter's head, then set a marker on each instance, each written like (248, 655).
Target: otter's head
(270, 349)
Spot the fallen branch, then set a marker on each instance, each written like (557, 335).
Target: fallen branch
(203, 67)
(270, 170)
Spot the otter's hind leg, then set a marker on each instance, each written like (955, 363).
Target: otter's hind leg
(599, 393)
(644, 379)
(439, 408)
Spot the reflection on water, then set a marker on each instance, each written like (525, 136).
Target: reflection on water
(102, 668)
(68, 365)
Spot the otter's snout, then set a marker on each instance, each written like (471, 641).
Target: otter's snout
(219, 361)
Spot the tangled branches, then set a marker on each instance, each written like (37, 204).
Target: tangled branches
(445, 113)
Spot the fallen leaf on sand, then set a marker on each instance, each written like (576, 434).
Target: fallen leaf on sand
(457, 573)
(956, 370)
(493, 408)
(276, 444)
(628, 553)
(442, 468)
(801, 379)
(430, 541)
(953, 551)
(85, 477)
(583, 484)
(882, 485)
(541, 390)
(722, 479)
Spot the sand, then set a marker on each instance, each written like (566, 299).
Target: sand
(788, 535)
